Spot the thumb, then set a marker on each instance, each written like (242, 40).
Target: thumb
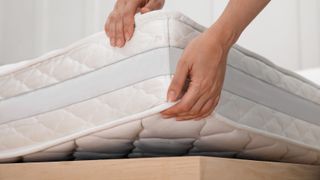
(152, 5)
(178, 82)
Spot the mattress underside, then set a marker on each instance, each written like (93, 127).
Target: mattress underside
(90, 119)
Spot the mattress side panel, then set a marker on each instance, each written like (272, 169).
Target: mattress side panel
(82, 116)
(214, 136)
(267, 72)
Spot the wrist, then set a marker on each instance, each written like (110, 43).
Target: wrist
(223, 34)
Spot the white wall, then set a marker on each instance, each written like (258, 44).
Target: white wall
(15, 30)
(287, 31)
(31, 28)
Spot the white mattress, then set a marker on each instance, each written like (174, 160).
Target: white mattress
(312, 74)
(92, 101)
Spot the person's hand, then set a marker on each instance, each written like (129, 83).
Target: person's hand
(203, 62)
(120, 23)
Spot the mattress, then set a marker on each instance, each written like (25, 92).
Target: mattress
(93, 101)
(312, 74)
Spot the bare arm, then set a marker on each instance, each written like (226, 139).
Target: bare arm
(206, 65)
(236, 17)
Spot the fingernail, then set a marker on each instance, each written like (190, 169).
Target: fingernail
(127, 36)
(113, 42)
(171, 96)
(119, 42)
(145, 10)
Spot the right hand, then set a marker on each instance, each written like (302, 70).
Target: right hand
(120, 23)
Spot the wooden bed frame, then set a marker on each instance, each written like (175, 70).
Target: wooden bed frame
(171, 168)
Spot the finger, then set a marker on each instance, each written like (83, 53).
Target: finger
(208, 110)
(210, 92)
(112, 31)
(198, 109)
(187, 101)
(216, 102)
(106, 28)
(110, 26)
(201, 96)
(186, 117)
(178, 81)
(119, 4)
(152, 5)
(189, 116)
(204, 115)
(195, 110)
(128, 21)
(119, 33)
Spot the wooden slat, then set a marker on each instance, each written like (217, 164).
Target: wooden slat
(184, 168)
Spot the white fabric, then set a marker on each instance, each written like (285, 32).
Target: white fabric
(312, 74)
(126, 122)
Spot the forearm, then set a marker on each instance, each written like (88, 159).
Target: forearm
(236, 17)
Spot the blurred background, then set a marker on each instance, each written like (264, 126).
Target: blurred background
(286, 32)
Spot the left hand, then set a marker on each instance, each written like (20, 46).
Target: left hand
(120, 23)
(204, 62)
